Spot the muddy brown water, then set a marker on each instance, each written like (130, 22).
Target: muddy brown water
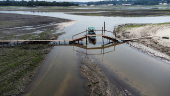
(59, 74)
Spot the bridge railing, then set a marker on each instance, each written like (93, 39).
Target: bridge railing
(79, 33)
(103, 32)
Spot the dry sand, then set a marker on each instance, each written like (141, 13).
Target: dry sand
(156, 47)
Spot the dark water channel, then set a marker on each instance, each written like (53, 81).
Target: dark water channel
(59, 74)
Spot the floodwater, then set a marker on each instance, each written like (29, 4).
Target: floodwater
(125, 66)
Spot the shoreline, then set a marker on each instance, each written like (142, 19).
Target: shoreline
(155, 46)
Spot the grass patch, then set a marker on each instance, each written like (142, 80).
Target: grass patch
(133, 26)
(8, 23)
(162, 23)
(18, 61)
(18, 64)
(89, 85)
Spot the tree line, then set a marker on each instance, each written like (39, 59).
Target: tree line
(133, 2)
(37, 3)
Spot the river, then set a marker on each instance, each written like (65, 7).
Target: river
(59, 74)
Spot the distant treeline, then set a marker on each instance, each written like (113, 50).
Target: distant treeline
(133, 2)
(37, 3)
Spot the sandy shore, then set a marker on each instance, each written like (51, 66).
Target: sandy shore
(158, 46)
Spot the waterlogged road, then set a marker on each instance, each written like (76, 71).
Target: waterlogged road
(58, 75)
(126, 67)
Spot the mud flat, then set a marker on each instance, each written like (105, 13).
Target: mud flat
(123, 11)
(19, 64)
(15, 26)
(158, 46)
(126, 13)
(97, 82)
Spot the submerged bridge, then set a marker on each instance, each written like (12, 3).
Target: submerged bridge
(69, 41)
(58, 42)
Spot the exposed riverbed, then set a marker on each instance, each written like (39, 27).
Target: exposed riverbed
(124, 67)
(157, 46)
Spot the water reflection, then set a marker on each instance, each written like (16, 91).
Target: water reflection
(109, 45)
(92, 41)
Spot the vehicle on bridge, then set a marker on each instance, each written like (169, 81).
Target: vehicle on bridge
(91, 31)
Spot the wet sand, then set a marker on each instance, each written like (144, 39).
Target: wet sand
(17, 26)
(157, 46)
(19, 20)
(98, 84)
(123, 11)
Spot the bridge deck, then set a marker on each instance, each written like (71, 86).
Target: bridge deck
(33, 40)
(72, 40)
(47, 41)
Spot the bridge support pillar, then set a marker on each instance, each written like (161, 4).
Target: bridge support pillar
(102, 30)
(86, 40)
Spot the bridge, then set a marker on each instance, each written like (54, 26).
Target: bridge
(59, 42)
(70, 41)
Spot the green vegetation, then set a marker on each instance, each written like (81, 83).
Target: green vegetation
(90, 85)
(163, 23)
(133, 25)
(18, 63)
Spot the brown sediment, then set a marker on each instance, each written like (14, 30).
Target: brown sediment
(123, 11)
(127, 13)
(63, 86)
(98, 84)
(156, 46)
(8, 20)
(17, 26)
